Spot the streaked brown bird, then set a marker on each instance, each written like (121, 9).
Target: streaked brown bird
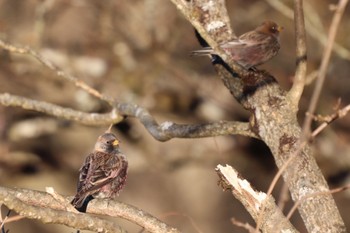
(253, 48)
(103, 173)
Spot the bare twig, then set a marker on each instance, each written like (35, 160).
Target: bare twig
(338, 114)
(59, 72)
(324, 65)
(301, 58)
(246, 226)
(42, 206)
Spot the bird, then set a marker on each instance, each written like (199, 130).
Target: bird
(103, 173)
(253, 48)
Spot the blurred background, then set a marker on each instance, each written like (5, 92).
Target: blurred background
(137, 51)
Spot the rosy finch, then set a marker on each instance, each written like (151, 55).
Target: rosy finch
(252, 48)
(103, 173)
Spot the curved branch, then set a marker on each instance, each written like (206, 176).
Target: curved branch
(168, 130)
(42, 206)
(161, 132)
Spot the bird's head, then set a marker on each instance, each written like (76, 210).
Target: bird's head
(270, 28)
(107, 142)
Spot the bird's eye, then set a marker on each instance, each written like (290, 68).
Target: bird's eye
(274, 29)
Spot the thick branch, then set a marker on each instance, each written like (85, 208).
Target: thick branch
(42, 206)
(255, 202)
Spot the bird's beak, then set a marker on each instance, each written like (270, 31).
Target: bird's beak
(116, 143)
(280, 28)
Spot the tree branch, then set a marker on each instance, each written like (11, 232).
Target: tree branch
(64, 113)
(261, 207)
(162, 132)
(301, 57)
(12, 199)
(42, 206)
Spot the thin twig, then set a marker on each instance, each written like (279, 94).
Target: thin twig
(338, 114)
(79, 83)
(246, 226)
(324, 65)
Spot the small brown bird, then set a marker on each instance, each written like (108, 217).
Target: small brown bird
(253, 48)
(103, 173)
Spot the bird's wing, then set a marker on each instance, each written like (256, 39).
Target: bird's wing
(83, 172)
(253, 38)
(99, 170)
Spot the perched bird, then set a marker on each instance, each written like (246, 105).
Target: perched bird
(103, 173)
(253, 48)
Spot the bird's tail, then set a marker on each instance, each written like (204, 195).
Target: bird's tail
(202, 52)
(80, 203)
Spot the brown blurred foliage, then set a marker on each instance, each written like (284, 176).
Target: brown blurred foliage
(138, 51)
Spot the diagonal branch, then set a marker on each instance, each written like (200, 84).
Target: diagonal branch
(77, 82)
(262, 207)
